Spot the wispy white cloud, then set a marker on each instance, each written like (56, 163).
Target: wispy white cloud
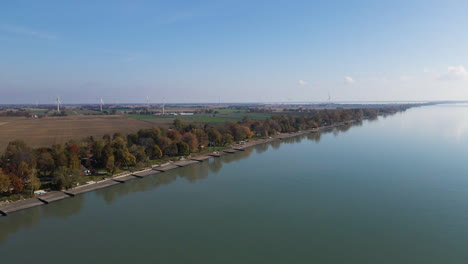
(302, 82)
(454, 73)
(26, 31)
(349, 80)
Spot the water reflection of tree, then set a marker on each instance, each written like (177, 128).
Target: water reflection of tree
(314, 136)
(345, 127)
(358, 123)
(215, 165)
(137, 185)
(299, 139)
(194, 173)
(237, 156)
(261, 148)
(31, 217)
(293, 140)
(335, 131)
(19, 221)
(191, 173)
(64, 209)
(275, 144)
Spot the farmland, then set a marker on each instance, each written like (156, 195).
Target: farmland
(52, 130)
(219, 117)
(38, 132)
(80, 123)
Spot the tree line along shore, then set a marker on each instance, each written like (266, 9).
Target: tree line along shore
(23, 169)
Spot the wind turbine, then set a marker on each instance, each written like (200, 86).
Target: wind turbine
(59, 102)
(164, 99)
(147, 102)
(329, 100)
(101, 103)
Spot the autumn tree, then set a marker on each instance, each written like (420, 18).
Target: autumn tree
(65, 178)
(178, 124)
(16, 183)
(138, 152)
(191, 140)
(214, 136)
(122, 155)
(174, 135)
(227, 139)
(45, 163)
(97, 152)
(73, 151)
(239, 132)
(153, 133)
(107, 138)
(132, 139)
(146, 142)
(17, 152)
(202, 137)
(183, 148)
(110, 164)
(171, 150)
(117, 135)
(33, 183)
(163, 143)
(259, 128)
(156, 153)
(4, 182)
(24, 172)
(59, 156)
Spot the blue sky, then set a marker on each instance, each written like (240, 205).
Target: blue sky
(232, 51)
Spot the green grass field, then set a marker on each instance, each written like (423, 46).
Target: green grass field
(195, 118)
(142, 117)
(239, 114)
(204, 119)
(223, 116)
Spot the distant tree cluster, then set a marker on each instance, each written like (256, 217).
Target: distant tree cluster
(260, 110)
(15, 113)
(22, 169)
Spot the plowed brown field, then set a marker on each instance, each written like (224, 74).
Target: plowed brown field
(51, 130)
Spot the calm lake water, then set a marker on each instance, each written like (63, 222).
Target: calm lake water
(393, 190)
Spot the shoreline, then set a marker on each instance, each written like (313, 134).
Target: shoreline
(123, 177)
